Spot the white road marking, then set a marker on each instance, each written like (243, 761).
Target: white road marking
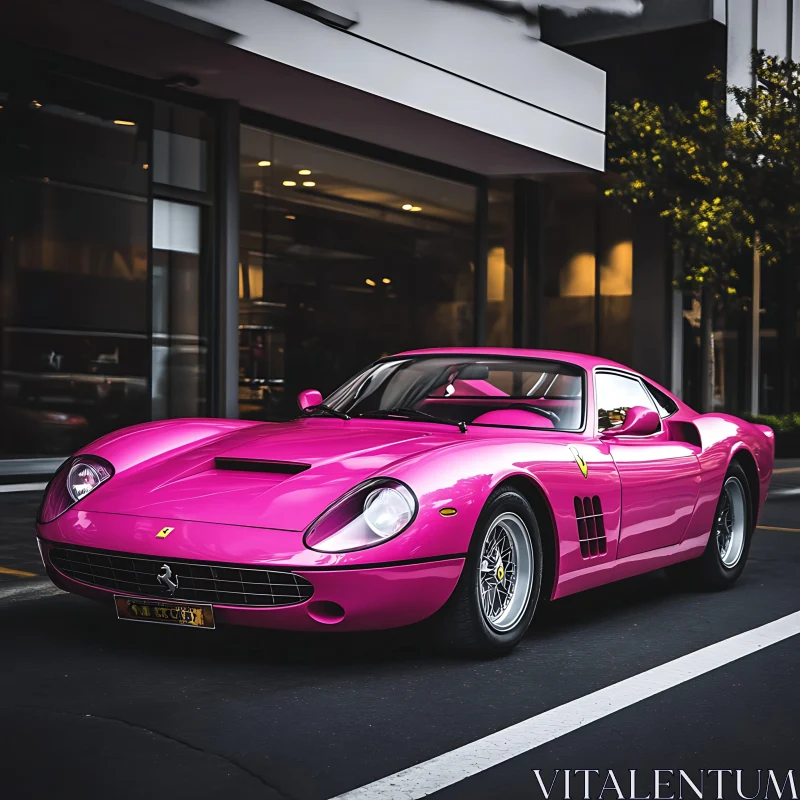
(23, 487)
(428, 777)
(28, 590)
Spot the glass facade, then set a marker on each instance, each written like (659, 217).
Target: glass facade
(500, 266)
(343, 260)
(97, 275)
(586, 270)
(111, 308)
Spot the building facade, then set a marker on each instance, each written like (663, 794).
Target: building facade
(207, 207)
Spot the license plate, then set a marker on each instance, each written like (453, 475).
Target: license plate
(138, 609)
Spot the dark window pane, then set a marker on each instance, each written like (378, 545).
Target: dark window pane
(666, 405)
(568, 264)
(343, 260)
(500, 266)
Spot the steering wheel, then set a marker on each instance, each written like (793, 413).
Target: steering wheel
(551, 415)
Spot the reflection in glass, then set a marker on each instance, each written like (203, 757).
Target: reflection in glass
(500, 275)
(568, 264)
(179, 351)
(75, 349)
(343, 260)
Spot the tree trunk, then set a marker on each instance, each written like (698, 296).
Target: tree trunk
(707, 350)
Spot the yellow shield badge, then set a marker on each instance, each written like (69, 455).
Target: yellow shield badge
(583, 466)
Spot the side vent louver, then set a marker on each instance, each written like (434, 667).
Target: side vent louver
(591, 529)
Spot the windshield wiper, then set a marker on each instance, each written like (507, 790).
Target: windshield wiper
(328, 410)
(412, 413)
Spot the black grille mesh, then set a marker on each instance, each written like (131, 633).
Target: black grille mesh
(203, 582)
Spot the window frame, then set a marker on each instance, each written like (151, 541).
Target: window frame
(638, 379)
(456, 354)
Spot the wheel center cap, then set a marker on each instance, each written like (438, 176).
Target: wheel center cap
(500, 572)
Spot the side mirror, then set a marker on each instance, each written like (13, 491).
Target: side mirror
(639, 421)
(308, 398)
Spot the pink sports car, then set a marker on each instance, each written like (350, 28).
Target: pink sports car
(461, 485)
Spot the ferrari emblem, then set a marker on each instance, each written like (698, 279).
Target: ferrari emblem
(165, 578)
(582, 465)
(500, 573)
(164, 532)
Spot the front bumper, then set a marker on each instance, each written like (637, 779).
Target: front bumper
(346, 597)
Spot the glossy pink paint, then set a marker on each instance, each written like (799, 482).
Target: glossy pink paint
(658, 495)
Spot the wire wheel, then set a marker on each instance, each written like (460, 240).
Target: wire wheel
(731, 521)
(506, 572)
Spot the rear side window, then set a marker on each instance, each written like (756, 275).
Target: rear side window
(665, 404)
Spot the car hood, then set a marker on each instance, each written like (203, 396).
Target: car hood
(278, 476)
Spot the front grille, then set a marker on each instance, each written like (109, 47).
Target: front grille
(205, 583)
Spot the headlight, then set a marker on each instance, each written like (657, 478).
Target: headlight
(367, 515)
(76, 478)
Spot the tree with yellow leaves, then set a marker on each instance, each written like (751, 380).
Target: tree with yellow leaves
(722, 184)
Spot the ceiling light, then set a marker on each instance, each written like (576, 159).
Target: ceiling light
(415, 208)
(309, 183)
(304, 172)
(145, 166)
(36, 104)
(370, 282)
(291, 216)
(407, 207)
(290, 183)
(124, 122)
(387, 280)
(264, 163)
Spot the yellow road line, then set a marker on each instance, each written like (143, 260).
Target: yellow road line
(18, 572)
(785, 470)
(771, 528)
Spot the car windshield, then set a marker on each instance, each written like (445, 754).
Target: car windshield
(478, 390)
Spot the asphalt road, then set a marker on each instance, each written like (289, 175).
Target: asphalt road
(93, 707)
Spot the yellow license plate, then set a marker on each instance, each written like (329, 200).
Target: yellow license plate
(139, 609)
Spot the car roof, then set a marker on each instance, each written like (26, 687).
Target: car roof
(578, 359)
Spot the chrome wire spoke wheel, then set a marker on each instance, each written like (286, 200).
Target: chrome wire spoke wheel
(506, 572)
(729, 527)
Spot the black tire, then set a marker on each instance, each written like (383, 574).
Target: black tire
(709, 572)
(462, 625)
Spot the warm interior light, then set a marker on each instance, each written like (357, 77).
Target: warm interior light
(370, 282)
(36, 103)
(309, 183)
(264, 163)
(407, 207)
(415, 208)
(290, 183)
(123, 122)
(145, 166)
(387, 280)
(291, 216)
(304, 172)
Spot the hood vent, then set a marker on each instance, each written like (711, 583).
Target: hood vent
(591, 528)
(256, 465)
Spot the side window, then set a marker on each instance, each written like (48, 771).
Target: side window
(666, 405)
(615, 395)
